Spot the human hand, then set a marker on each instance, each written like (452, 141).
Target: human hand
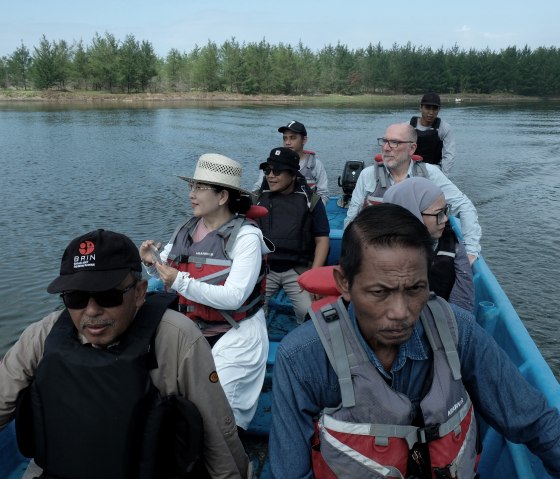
(472, 258)
(146, 254)
(167, 274)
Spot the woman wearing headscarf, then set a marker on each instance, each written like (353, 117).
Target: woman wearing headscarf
(215, 263)
(450, 274)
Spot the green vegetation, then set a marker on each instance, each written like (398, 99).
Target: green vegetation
(130, 66)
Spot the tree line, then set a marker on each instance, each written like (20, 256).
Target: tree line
(109, 64)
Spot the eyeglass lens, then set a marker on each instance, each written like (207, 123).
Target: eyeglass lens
(267, 170)
(391, 143)
(443, 214)
(194, 187)
(106, 299)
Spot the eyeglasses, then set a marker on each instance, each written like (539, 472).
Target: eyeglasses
(392, 143)
(441, 216)
(196, 188)
(106, 299)
(275, 171)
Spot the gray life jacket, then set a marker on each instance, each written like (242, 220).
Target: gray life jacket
(370, 433)
(308, 170)
(209, 260)
(382, 181)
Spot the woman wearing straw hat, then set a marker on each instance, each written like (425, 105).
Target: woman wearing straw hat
(450, 274)
(215, 262)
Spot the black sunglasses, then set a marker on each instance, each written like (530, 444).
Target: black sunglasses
(106, 299)
(267, 170)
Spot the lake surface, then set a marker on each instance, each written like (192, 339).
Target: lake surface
(68, 170)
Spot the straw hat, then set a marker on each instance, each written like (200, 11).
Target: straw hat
(216, 169)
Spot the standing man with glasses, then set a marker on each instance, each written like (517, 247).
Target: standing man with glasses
(397, 147)
(296, 223)
(116, 384)
(436, 141)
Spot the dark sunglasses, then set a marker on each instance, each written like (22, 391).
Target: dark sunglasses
(275, 171)
(106, 299)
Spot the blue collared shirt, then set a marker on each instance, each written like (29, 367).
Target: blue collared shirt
(304, 383)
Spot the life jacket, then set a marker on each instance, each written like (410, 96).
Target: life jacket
(209, 261)
(429, 146)
(289, 223)
(308, 170)
(370, 433)
(441, 275)
(382, 179)
(94, 413)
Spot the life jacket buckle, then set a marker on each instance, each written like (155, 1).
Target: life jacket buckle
(428, 433)
(330, 315)
(443, 472)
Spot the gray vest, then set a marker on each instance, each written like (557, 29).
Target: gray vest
(372, 412)
(382, 181)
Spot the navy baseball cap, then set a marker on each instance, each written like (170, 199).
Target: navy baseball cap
(294, 126)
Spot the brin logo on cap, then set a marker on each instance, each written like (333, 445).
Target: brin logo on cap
(86, 259)
(86, 247)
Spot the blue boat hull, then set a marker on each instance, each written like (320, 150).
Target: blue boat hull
(500, 458)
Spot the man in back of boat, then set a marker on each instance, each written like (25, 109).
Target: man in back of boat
(436, 140)
(297, 225)
(384, 380)
(397, 147)
(116, 385)
(294, 137)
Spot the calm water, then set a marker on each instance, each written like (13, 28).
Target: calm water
(67, 171)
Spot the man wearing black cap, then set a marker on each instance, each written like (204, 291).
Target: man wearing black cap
(294, 137)
(297, 224)
(436, 141)
(91, 381)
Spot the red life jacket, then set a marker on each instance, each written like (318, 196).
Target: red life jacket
(370, 433)
(209, 261)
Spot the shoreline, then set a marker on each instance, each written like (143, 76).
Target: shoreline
(92, 97)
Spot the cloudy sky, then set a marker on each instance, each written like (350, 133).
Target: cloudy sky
(182, 24)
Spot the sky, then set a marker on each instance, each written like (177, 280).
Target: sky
(182, 24)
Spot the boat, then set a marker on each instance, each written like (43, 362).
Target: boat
(494, 311)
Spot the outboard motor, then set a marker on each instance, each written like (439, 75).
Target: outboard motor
(347, 181)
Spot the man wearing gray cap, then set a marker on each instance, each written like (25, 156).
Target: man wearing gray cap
(115, 384)
(436, 141)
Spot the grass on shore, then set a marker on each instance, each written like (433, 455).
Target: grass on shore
(83, 96)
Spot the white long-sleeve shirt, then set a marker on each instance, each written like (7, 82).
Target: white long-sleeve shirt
(246, 257)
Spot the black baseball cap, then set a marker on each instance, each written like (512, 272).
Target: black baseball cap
(96, 261)
(282, 158)
(294, 126)
(431, 99)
